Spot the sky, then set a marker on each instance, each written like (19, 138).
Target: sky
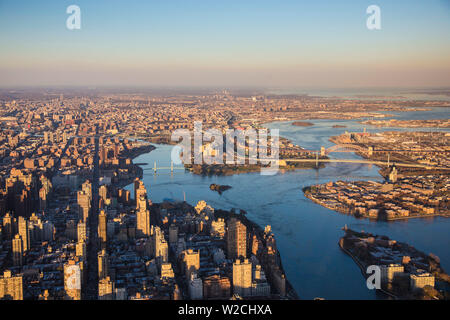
(225, 43)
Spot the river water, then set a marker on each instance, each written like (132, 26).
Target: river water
(307, 234)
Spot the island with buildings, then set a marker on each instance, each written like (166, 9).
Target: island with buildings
(409, 197)
(415, 167)
(288, 154)
(405, 272)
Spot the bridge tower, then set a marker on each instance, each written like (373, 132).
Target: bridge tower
(317, 160)
(171, 166)
(322, 151)
(370, 151)
(155, 168)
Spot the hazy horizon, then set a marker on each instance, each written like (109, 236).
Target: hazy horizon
(264, 44)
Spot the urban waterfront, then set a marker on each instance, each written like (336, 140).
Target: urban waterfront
(307, 233)
(225, 158)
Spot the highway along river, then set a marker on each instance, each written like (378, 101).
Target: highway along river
(307, 234)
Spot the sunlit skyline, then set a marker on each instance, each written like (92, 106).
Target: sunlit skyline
(206, 43)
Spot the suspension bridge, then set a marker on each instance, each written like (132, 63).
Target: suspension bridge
(337, 148)
(172, 168)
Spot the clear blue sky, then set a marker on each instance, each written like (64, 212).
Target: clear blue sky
(211, 42)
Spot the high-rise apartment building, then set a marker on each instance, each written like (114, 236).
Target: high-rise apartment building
(143, 222)
(103, 264)
(84, 205)
(195, 287)
(167, 271)
(139, 191)
(102, 227)
(87, 188)
(106, 289)
(82, 231)
(121, 294)
(191, 262)
(8, 226)
(11, 287)
(236, 239)
(390, 272)
(260, 286)
(24, 233)
(420, 278)
(84, 198)
(216, 287)
(103, 192)
(48, 232)
(80, 250)
(159, 245)
(242, 277)
(17, 250)
(173, 234)
(42, 199)
(218, 228)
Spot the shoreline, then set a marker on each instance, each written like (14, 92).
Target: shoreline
(365, 199)
(363, 269)
(256, 169)
(122, 183)
(355, 217)
(347, 211)
(364, 247)
(291, 293)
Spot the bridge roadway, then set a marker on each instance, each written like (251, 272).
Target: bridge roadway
(387, 163)
(338, 148)
(361, 161)
(358, 161)
(165, 168)
(378, 151)
(352, 148)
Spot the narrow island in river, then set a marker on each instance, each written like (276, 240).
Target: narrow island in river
(228, 170)
(406, 273)
(394, 123)
(302, 124)
(287, 152)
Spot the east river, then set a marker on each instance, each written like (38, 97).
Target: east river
(307, 234)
